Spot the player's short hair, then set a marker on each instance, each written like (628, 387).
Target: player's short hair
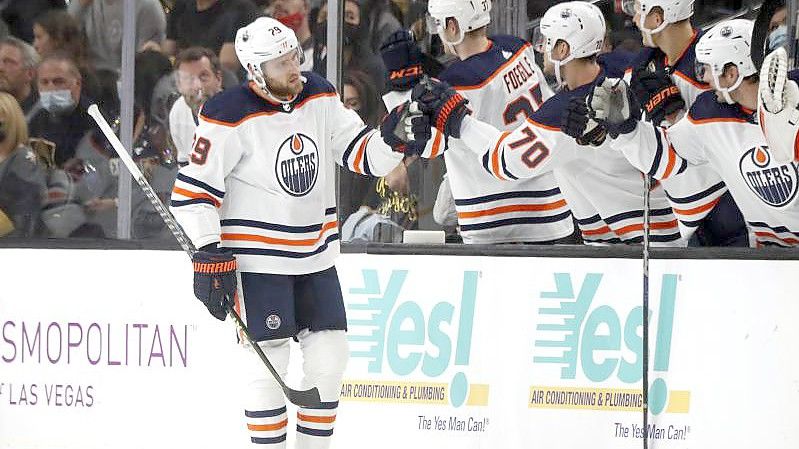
(30, 59)
(193, 54)
(61, 56)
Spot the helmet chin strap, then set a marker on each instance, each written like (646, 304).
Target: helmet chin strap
(557, 65)
(452, 44)
(647, 33)
(725, 91)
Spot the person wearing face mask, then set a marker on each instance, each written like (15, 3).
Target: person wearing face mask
(22, 181)
(664, 81)
(62, 119)
(294, 14)
(357, 53)
(778, 28)
(198, 76)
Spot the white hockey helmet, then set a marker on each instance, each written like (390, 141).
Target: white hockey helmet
(579, 24)
(261, 41)
(729, 42)
(470, 15)
(673, 11)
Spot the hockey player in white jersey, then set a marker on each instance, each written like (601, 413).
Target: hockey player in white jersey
(259, 195)
(665, 85)
(499, 77)
(602, 189)
(720, 131)
(198, 76)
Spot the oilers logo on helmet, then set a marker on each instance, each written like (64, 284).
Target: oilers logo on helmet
(297, 164)
(774, 184)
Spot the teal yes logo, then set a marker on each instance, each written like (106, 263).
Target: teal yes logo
(415, 334)
(598, 340)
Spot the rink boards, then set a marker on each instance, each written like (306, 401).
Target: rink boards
(108, 349)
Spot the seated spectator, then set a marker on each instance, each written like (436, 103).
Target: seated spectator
(19, 15)
(208, 23)
(102, 23)
(22, 181)
(18, 61)
(58, 32)
(294, 14)
(147, 223)
(63, 119)
(357, 52)
(198, 76)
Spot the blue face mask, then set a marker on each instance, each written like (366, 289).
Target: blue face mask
(778, 38)
(57, 101)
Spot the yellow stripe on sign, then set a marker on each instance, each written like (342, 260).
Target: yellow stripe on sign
(679, 401)
(478, 394)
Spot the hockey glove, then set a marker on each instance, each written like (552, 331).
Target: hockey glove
(403, 60)
(656, 94)
(405, 129)
(613, 106)
(445, 106)
(577, 124)
(215, 280)
(778, 107)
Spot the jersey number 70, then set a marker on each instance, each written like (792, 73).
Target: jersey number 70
(535, 151)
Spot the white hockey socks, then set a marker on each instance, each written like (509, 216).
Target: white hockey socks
(265, 405)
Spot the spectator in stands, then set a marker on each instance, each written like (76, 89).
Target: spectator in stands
(294, 14)
(18, 61)
(57, 31)
(102, 22)
(22, 181)
(360, 96)
(382, 22)
(20, 14)
(199, 76)
(63, 119)
(208, 23)
(778, 27)
(357, 53)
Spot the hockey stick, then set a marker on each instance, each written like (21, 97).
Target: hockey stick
(303, 398)
(645, 352)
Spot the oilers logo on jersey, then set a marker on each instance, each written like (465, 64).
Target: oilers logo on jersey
(296, 164)
(776, 185)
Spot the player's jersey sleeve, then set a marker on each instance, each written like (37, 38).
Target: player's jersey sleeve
(525, 152)
(200, 186)
(651, 149)
(356, 146)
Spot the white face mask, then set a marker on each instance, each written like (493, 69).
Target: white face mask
(57, 101)
(778, 38)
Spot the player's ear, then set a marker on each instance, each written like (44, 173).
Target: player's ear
(730, 74)
(452, 25)
(561, 50)
(657, 16)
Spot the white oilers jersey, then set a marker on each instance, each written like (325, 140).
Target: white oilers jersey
(726, 138)
(261, 176)
(694, 194)
(182, 125)
(504, 86)
(604, 192)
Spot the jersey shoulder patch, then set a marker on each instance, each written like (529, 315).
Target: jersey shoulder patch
(706, 108)
(476, 69)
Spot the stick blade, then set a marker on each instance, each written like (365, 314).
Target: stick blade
(305, 398)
